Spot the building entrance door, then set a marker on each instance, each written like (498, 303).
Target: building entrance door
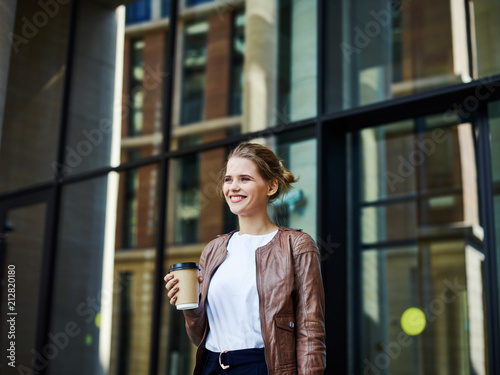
(22, 236)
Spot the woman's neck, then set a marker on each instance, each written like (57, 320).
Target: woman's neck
(256, 226)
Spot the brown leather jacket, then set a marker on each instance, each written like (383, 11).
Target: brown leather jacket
(291, 302)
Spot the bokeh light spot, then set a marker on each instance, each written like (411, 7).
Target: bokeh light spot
(413, 321)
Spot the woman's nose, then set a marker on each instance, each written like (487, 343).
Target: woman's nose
(235, 186)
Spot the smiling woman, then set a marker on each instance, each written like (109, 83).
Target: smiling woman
(247, 195)
(255, 282)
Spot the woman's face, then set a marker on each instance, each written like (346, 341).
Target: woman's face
(245, 190)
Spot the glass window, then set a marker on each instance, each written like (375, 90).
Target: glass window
(83, 289)
(135, 123)
(135, 234)
(138, 11)
(378, 50)
(194, 64)
(187, 201)
(32, 96)
(298, 207)
(297, 61)
(130, 204)
(198, 213)
(123, 321)
(419, 247)
(21, 246)
(165, 8)
(136, 211)
(176, 350)
(191, 3)
(486, 31)
(238, 58)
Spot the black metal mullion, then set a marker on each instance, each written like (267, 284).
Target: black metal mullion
(11, 196)
(413, 106)
(53, 213)
(320, 43)
(488, 221)
(356, 248)
(168, 98)
(332, 242)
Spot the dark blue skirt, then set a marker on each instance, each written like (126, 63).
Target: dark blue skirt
(236, 362)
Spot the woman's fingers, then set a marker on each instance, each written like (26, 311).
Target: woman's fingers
(173, 288)
(172, 291)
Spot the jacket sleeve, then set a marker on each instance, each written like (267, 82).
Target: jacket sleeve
(196, 319)
(309, 307)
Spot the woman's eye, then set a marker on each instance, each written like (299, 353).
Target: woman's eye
(227, 179)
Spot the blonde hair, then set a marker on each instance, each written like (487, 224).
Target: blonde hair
(270, 167)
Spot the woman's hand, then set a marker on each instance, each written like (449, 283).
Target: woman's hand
(173, 288)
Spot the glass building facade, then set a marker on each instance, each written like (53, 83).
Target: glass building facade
(115, 124)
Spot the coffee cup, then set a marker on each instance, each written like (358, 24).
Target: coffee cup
(189, 287)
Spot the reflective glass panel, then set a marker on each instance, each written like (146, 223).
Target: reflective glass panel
(193, 65)
(486, 52)
(298, 207)
(196, 2)
(208, 102)
(377, 50)
(33, 95)
(21, 244)
(421, 255)
(297, 50)
(135, 121)
(443, 280)
(90, 278)
(134, 238)
(91, 128)
(196, 211)
(237, 60)
(138, 11)
(165, 8)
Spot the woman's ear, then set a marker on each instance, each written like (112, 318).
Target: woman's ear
(272, 187)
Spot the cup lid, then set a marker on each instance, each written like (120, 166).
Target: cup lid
(183, 266)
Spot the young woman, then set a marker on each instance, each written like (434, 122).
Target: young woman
(261, 307)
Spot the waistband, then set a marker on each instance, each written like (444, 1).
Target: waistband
(229, 358)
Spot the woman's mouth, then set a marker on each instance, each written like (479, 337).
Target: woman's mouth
(236, 198)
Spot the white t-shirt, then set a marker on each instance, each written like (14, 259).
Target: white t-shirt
(233, 300)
